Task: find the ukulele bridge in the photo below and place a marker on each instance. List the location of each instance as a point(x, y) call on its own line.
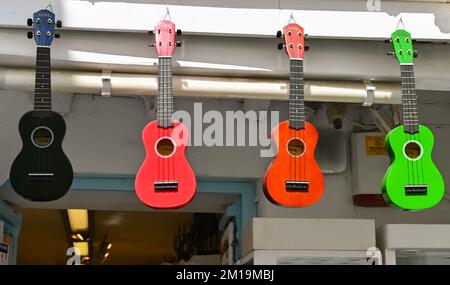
point(297, 186)
point(40, 176)
point(416, 190)
point(166, 186)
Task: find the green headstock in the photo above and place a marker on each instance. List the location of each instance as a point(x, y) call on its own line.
point(403, 47)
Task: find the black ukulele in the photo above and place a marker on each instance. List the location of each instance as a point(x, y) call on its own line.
point(41, 171)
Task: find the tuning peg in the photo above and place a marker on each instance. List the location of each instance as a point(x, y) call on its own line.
point(58, 24)
point(280, 46)
point(306, 48)
point(415, 53)
point(279, 34)
point(151, 45)
point(178, 44)
point(414, 41)
point(306, 37)
point(30, 35)
point(150, 32)
point(29, 22)
point(178, 32)
point(57, 36)
point(387, 41)
point(390, 53)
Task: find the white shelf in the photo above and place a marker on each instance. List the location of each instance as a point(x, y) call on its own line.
point(306, 257)
point(309, 234)
point(415, 244)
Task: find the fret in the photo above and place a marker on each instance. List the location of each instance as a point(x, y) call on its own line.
point(296, 95)
point(42, 87)
point(409, 99)
point(164, 99)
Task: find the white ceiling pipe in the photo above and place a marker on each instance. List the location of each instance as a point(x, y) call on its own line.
point(196, 86)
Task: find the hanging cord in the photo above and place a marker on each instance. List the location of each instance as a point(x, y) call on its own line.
point(49, 7)
point(167, 14)
point(400, 22)
point(291, 18)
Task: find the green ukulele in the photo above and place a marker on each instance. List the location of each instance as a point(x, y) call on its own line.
point(412, 181)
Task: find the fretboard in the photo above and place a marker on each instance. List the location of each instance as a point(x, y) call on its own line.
point(409, 99)
point(164, 98)
point(42, 88)
point(296, 95)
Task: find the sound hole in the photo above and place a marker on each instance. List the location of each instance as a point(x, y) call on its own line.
point(296, 147)
point(165, 147)
point(42, 137)
point(413, 150)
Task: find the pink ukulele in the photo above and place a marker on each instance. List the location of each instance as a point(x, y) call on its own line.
point(165, 179)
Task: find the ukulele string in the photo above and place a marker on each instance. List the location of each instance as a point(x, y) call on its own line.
point(411, 122)
point(171, 103)
point(409, 163)
point(49, 107)
point(160, 119)
point(302, 135)
point(300, 160)
point(291, 167)
point(164, 88)
point(417, 163)
point(416, 118)
point(421, 163)
point(165, 113)
point(413, 118)
point(304, 122)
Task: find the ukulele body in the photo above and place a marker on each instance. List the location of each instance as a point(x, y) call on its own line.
point(165, 179)
point(300, 168)
point(41, 171)
point(412, 181)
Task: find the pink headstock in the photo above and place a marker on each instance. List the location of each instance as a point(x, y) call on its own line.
point(294, 38)
point(165, 38)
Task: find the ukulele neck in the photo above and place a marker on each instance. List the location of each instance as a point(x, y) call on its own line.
point(164, 98)
point(42, 88)
point(409, 99)
point(296, 95)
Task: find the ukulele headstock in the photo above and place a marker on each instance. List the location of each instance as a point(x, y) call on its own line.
point(165, 34)
point(403, 46)
point(43, 24)
point(294, 40)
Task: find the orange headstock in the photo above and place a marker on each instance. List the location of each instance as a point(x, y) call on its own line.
point(294, 39)
point(165, 38)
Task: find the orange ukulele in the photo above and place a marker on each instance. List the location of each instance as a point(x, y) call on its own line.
point(294, 178)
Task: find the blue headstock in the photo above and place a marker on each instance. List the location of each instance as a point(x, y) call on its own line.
point(43, 23)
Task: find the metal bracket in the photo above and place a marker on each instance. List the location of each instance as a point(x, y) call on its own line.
point(106, 83)
point(370, 93)
point(395, 115)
